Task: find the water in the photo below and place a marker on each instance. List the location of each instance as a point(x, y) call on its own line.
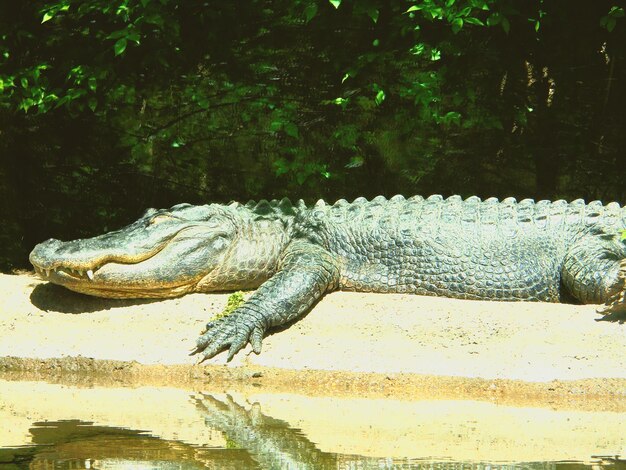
point(50, 426)
point(251, 444)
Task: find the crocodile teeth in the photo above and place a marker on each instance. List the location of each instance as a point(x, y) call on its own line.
point(90, 274)
point(47, 271)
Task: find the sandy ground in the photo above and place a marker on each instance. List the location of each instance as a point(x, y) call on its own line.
point(382, 342)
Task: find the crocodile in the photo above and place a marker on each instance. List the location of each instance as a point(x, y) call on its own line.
point(293, 254)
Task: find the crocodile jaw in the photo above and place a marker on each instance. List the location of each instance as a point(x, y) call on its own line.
point(169, 269)
point(86, 282)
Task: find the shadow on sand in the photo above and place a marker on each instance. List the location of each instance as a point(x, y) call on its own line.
point(53, 298)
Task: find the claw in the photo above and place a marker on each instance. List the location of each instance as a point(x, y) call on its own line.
point(256, 339)
point(212, 350)
point(231, 354)
point(235, 347)
point(200, 360)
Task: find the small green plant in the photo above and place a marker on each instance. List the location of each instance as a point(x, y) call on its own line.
point(235, 300)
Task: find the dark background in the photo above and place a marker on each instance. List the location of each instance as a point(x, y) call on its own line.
point(110, 107)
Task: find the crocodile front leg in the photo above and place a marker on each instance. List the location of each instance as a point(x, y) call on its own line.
point(305, 274)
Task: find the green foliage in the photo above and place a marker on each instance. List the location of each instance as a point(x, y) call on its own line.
point(235, 300)
point(610, 20)
point(335, 3)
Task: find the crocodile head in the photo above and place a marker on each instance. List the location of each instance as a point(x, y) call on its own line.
point(165, 253)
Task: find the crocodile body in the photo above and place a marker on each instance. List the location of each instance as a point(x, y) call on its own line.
point(294, 254)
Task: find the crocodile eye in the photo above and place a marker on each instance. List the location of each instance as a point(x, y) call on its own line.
point(160, 218)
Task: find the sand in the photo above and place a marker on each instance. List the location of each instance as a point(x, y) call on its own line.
point(376, 344)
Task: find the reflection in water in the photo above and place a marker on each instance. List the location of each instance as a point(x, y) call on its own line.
point(73, 444)
point(253, 440)
point(271, 442)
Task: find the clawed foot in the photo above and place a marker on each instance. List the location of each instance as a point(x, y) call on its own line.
point(232, 332)
point(615, 307)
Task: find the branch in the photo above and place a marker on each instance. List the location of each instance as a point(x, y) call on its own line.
point(182, 117)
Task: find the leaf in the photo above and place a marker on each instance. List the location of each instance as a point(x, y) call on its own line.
point(617, 12)
point(452, 117)
point(24, 82)
point(436, 12)
point(25, 104)
point(120, 33)
point(155, 19)
point(92, 83)
point(414, 8)
point(47, 16)
point(475, 21)
point(275, 126)
point(610, 24)
point(457, 24)
point(120, 46)
point(373, 13)
point(310, 11)
point(355, 162)
point(281, 166)
point(291, 129)
point(134, 37)
point(203, 102)
point(380, 97)
point(92, 104)
point(335, 3)
point(494, 19)
point(506, 26)
point(435, 55)
point(417, 49)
